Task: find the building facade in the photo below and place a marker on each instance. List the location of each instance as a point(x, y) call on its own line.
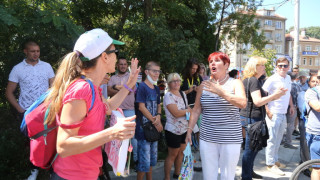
point(273, 27)
point(309, 51)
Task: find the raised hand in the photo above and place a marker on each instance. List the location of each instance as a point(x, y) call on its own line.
point(134, 72)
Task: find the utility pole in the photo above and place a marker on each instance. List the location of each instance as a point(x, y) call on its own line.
point(296, 34)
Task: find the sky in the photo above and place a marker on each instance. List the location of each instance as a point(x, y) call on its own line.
point(309, 11)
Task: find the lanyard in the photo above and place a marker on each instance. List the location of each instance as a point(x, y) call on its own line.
point(189, 82)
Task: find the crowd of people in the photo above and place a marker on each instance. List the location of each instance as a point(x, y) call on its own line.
point(218, 108)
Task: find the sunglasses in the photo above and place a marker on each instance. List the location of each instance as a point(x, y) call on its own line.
point(283, 66)
point(113, 51)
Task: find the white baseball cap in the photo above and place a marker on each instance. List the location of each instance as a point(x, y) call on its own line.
point(92, 43)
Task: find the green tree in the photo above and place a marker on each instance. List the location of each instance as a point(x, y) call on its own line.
point(237, 23)
point(313, 31)
point(270, 55)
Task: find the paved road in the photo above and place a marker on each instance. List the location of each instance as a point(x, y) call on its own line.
point(290, 157)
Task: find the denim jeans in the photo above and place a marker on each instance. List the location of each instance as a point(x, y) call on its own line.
point(248, 155)
point(128, 113)
point(276, 128)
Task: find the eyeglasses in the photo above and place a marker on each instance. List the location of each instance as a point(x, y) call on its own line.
point(113, 51)
point(155, 71)
point(283, 66)
point(176, 81)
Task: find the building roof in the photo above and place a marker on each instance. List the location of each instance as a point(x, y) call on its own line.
point(259, 14)
point(289, 37)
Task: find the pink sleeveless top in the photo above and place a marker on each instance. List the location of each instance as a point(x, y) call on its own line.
point(85, 165)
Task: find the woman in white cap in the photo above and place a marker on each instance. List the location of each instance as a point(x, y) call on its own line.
point(82, 132)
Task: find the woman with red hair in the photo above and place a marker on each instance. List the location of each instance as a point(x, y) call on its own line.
point(219, 100)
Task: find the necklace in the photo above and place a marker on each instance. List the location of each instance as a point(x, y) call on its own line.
point(222, 81)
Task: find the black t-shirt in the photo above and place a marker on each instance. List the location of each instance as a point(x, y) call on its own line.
point(185, 86)
point(256, 112)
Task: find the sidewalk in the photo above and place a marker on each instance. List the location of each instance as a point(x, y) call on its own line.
point(290, 157)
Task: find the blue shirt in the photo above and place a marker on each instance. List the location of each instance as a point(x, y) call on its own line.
point(151, 99)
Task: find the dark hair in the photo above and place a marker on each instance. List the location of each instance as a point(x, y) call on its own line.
point(28, 43)
point(313, 76)
point(292, 75)
point(188, 67)
point(233, 73)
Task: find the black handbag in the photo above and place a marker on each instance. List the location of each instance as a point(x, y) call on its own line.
point(258, 131)
point(150, 132)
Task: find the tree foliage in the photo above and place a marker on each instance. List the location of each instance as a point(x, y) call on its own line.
point(312, 31)
point(237, 23)
point(270, 55)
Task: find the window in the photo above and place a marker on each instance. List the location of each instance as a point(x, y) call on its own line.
point(308, 48)
point(299, 48)
point(317, 48)
point(304, 62)
point(278, 37)
point(278, 49)
point(268, 35)
point(268, 22)
point(268, 46)
point(278, 25)
point(310, 61)
point(316, 62)
point(268, 13)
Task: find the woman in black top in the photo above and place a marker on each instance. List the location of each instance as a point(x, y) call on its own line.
point(191, 80)
point(255, 110)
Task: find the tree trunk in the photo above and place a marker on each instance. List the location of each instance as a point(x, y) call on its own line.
point(147, 9)
point(219, 26)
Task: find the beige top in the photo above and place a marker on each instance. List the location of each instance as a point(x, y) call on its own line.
point(128, 102)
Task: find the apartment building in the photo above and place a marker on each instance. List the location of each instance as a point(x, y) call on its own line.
point(273, 27)
point(309, 51)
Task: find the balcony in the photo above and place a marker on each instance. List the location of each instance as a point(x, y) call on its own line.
point(269, 28)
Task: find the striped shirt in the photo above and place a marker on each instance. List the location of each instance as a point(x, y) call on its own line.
point(221, 120)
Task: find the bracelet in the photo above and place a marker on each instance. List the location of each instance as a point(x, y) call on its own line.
point(129, 89)
point(189, 128)
point(159, 114)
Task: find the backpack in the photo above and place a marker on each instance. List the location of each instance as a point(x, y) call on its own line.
point(43, 137)
point(305, 112)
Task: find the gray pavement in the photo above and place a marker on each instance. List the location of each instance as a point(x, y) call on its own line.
point(290, 157)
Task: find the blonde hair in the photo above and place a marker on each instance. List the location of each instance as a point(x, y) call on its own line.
point(172, 76)
point(68, 71)
point(250, 69)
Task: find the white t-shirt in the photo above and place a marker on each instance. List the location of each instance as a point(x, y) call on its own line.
point(175, 125)
point(279, 106)
point(33, 80)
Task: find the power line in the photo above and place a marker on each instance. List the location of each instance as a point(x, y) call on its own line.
point(274, 3)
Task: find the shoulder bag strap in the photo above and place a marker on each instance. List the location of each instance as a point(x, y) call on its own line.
point(247, 108)
point(183, 99)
